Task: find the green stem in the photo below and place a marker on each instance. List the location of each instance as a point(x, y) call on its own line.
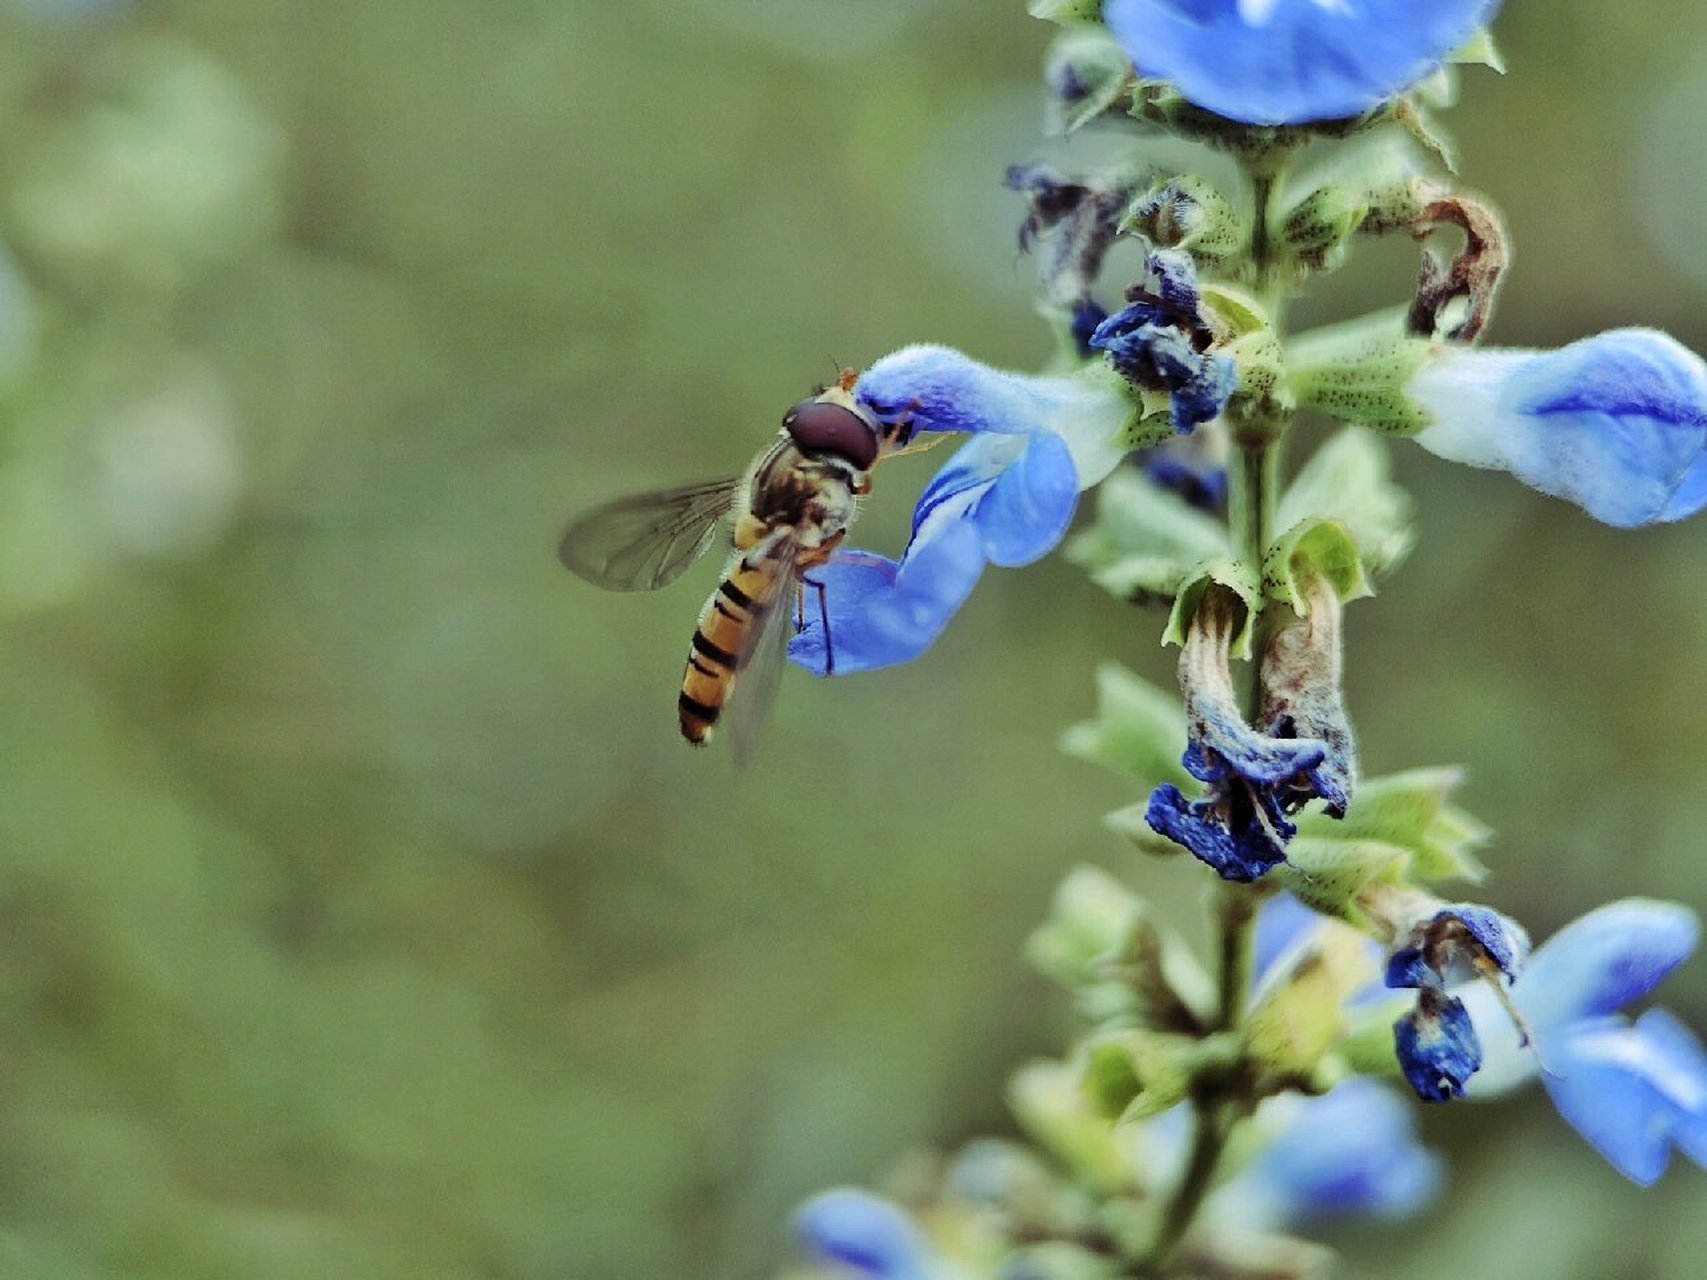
point(1254, 484)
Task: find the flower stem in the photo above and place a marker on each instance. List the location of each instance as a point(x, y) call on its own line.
point(1255, 486)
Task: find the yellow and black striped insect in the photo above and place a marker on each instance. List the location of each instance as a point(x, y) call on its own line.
point(792, 508)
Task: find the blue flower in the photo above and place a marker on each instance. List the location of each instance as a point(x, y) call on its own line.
point(1436, 1043)
point(1005, 498)
point(1350, 1153)
point(1616, 423)
point(862, 1234)
point(1292, 61)
point(1081, 219)
point(1161, 342)
point(1240, 828)
point(1465, 939)
point(1194, 467)
point(1632, 1089)
point(1256, 777)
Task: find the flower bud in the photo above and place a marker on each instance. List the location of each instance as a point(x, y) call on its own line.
point(1087, 72)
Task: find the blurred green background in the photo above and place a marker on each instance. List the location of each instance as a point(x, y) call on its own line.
point(361, 914)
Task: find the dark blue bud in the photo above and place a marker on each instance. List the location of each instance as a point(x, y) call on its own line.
point(1161, 341)
point(1204, 488)
point(1437, 1046)
point(1176, 281)
point(1205, 392)
point(1087, 318)
point(1477, 940)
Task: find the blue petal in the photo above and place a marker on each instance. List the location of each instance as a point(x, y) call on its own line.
point(1283, 923)
point(1292, 61)
point(1630, 1090)
point(1176, 278)
point(1615, 423)
point(1604, 960)
point(1154, 347)
point(1460, 940)
point(940, 389)
point(1194, 474)
point(1234, 846)
point(1502, 939)
point(862, 1232)
point(1020, 493)
point(883, 613)
point(1223, 745)
point(1202, 395)
point(1690, 495)
point(1437, 1047)
point(1352, 1151)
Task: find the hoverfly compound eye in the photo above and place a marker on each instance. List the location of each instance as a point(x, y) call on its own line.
point(822, 426)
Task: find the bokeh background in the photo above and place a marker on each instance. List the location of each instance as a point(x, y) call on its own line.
point(361, 914)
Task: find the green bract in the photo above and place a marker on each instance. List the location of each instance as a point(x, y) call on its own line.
point(1145, 541)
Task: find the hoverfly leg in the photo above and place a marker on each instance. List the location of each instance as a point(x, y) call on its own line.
point(823, 621)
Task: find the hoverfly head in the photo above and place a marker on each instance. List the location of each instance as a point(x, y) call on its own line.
point(829, 423)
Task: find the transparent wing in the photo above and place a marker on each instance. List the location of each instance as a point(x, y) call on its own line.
point(643, 542)
point(765, 654)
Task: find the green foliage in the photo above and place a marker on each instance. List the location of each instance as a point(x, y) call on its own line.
point(1357, 372)
point(1137, 730)
point(1238, 577)
point(1314, 548)
point(1105, 945)
point(364, 918)
point(1348, 479)
point(1145, 541)
point(1296, 1019)
point(1412, 811)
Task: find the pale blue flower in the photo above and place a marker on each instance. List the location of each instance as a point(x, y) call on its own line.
point(1616, 423)
point(1005, 498)
point(1292, 61)
point(1632, 1089)
point(1350, 1153)
point(863, 1235)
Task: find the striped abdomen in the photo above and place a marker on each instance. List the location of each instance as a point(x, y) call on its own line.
point(725, 624)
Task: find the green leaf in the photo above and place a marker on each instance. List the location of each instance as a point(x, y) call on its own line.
point(1186, 212)
point(1479, 52)
point(1349, 480)
point(1358, 372)
point(1090, 920)
point(1066, 12)
point(1412, 811)
point(1236, 575)
point(1328, 875)
point(1130, 823)
point(1145, 540)
point(1138, 730)
point(1315, 545)
point(1049, 1104)
point(1104, 944)
point(1238, 310)
point(1096, 63)
point(1368, 1047)
point(1131, 1075)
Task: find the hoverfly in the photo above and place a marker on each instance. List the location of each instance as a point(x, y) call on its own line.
point(792, 508)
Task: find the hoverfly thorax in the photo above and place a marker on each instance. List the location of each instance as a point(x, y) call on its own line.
point(812, 476)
